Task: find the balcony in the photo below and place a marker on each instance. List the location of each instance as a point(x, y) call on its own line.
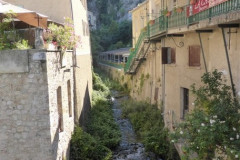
point(165, 24)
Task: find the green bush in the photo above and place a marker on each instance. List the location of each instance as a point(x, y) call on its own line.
point(85, 147)
point(213, 125)
point(102, 126)
point(148, 123)
point(103, 133)
point(9, 39)
point(110, 83)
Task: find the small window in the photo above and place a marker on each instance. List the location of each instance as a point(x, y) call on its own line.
point(184, 102)
point(69, 98)
point(168, 55)
point(194, 56)
point(60, 111)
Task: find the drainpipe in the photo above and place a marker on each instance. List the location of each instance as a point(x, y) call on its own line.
point(204, 60)
point(163, 80)
point(200, 39)
point(228, 62)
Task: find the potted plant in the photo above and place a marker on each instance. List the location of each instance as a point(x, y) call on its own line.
point(151, 22)
point(179, 9)
point(168, 14)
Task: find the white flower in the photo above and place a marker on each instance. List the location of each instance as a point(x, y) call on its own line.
point(225, 147)
point(231, 151)
point(222, 121)
point(234, 129)
point(197, 147)
point(236, 156)
point(172, 141)
point(198, 130)
point(202, 124)
point(237, 136)
point(193, 104)
point(231, 139)
point(212, 121)
point(215, 116)
point(181, 132)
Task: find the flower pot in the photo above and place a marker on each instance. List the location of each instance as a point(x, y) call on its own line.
point(179, 10)
point(151, 22)
point(168, 14)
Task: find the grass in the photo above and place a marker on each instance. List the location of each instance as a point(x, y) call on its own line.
point(148, 124)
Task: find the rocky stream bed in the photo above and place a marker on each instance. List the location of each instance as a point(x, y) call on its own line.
point(129, 148)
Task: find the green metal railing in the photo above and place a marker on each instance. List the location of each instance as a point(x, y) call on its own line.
point(133, 53)
point(178, 19)
point(159, 26)
point(223, 8)
point(163, 23)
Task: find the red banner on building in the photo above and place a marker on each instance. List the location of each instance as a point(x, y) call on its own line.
point(200, 6)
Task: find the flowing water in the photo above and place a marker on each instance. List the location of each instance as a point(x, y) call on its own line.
point(129, 148)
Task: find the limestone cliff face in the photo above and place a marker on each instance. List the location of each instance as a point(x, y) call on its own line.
point(119, 9)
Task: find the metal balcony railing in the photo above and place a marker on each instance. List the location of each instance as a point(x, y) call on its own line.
point(133, 52)
point(220, 9)
point(163, 23)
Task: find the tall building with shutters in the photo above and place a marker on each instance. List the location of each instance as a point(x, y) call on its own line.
point(175, 42)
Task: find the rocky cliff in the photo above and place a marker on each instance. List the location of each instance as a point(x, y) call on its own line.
point(118, 9)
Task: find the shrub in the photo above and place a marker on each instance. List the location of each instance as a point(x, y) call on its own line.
point(9, 39)
point(213, 125)
point(148, 123)
point(101, 125)
point(85, 147)
point(103, 133)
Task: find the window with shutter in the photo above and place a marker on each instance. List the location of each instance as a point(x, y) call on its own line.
point(184, 102)
point(164, 55)
point(168, 55)
point(194, 56)
point(173, 55)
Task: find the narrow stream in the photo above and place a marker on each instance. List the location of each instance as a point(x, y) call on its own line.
point(129, 148)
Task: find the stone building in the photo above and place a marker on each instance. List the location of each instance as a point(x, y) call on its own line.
point(45, 93)
point(76, 10)
point(175, 42)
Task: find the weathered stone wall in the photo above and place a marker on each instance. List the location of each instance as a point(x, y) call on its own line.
point(24, 114)
point(59, 72)
point(29, 111)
